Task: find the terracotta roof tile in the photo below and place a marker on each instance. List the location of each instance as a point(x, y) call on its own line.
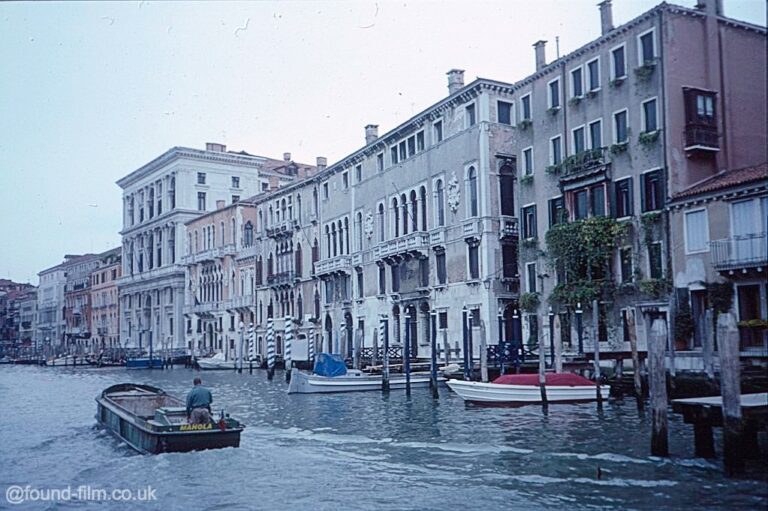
point(727, 179)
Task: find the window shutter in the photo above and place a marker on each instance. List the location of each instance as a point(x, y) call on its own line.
point(643, 191)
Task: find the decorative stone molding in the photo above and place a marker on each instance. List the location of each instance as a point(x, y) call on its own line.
point(369, 225)
point(454, 193)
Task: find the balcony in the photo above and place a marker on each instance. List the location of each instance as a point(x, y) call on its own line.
point(580, 165)
point(509, 227)
point(210, 254)
point(740, 252)
point(284, 278)
point(339, 264)
point(701, 138)
point(243, 302)
point(283, 229)
point(408, 244)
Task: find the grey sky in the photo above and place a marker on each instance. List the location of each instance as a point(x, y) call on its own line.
point(91, 91)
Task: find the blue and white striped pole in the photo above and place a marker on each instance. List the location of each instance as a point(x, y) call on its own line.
point(251, 347)
point(270, 349)
point(383, 329)
point(288, 346)
point(311, 348)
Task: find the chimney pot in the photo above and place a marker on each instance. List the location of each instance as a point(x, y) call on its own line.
point(371, 133)
point(286, 156)
point(711, 7)
point(539, 48)
point(455, 80)
point(606, 16)
point(322, 163)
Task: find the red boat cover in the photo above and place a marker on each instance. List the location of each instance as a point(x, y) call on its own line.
point(562, 379)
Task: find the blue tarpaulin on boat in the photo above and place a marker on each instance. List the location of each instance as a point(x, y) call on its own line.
point(328, 364)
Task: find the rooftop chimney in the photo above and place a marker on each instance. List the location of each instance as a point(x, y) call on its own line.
point(216, 148)
point(371, 134)
point(712, 7)
point(455, 80)
point(322, 162)
point(220, 204)
point(286, 156)
point(606, 16)
point(541, 58)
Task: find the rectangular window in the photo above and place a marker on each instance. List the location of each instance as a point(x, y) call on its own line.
point(654, 260)
point(380, 162)
point(325, 191)
point(420, 141)
point(235, 182)
point(438, 127)
point(201, 178)
point(525, 107)
point(470, 115)
point(474, 260)
point(395, 278)
point(653, 191)
point(577, 82)
point(529, 221)
point(705, 108)
point(440, 267)
point(360, 281)
point(528, 161)
point(596, 134)
point(557, 213)
point(504, 112)
point(578, 140)
point(403, 151)
point(424, 272)
point(393, 155)
point(597, 200)
point(382, 280)
point(625, 262)
point(555, 151)
point(618, 63)
point(509, 260)
point(443, 320)
point(580, 205)
point(411, 145)
point(554, 93)
point(201, 201)
point(593, 72)
point(345, 180)
point(530, 276)
point(620, 132)
point(623, 192)
point(646, 47)
point(235, 199)
point(650, 122)
point(358, 173)
point(696, 231)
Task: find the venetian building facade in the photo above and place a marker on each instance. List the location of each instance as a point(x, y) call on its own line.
point(159, 198)
point(105, 312)
point(77, 302)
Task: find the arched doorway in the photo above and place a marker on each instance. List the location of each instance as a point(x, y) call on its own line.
point(414, 331)
point(348, 329)
point(395, 328)
point(326, 342)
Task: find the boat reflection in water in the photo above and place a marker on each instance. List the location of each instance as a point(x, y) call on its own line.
point(152, 422)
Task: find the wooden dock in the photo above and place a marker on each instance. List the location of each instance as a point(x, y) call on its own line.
point(707, 412)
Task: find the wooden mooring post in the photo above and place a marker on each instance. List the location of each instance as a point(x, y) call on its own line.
point(483, 353)
point(543, 375)
point(638, 381)
point(730, 387)
point(596, 332)
point(657, 381)
point(433, 353)
point(557, 340)
point(708, 344)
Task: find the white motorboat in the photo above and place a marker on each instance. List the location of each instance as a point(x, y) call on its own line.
point(217, 361)
point(67, 361)
point(525, 389)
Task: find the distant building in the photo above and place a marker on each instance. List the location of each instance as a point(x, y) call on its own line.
point(158, 199)
point(50, 308)
point(105, 311)
point(13, 299)
point(28, 319)
point(77, 302)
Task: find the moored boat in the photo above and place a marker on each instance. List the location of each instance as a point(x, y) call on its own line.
point(144, 363)
point(525, 389)
point(217, 361)
point(331, 375)
point(68, 361)
point(152, 422)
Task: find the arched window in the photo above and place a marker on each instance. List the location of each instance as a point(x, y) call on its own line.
point(315, 205)
point(271, 217)
point(333, 240)
point(315, 254)
point(327, 241)
point(440, 202)
point(472, 183)
point(404, 213)
point(298, 260)
point(382, 229)
point(298, 208)
point(414, 212)
point(270, 266)
point(234, 232)
point(506, 184)
point(395, 217)
point(260, 221)
point(346, 235)
point(423, 200)
point(299, 308)
point(259, 271)
point(248, 234)
point(283, 210)
point(172, 193)
point(359, 230)
point(317, 304)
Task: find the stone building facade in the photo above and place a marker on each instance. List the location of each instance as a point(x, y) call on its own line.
point(159, 198)
point(78, 330)
point(105, 312)
point(50, 308)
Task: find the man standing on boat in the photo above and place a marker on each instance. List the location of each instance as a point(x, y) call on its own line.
point(199, 402)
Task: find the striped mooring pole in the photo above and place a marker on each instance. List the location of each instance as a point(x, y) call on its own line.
point(288, 357)
point(311, 348)
point(270, 349)
point(251, 347)
point(383, 328)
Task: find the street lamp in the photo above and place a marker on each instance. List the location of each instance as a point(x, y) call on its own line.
point(551, 337)
point(517, 342)
point(500, 352)
point(579, 330)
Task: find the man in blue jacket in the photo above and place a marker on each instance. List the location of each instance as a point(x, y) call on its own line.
point(199, 402)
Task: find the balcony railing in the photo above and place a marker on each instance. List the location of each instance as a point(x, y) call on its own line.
point(509, 227)
point(582, 162)
point(210, 254)
point(702, 137)
point(283, 228)
point(739, 252)
point(243, 302)
point(335, 264)
point(416, 241)
point(282, 278)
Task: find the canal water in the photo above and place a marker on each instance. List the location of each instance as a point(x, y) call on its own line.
point(355, 451)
